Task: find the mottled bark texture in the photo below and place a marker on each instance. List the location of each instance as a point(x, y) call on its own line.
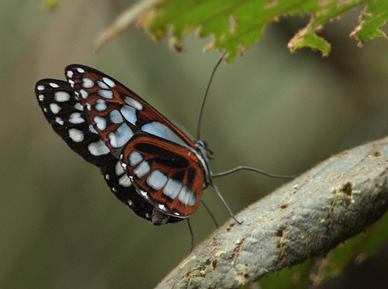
point(307, 217)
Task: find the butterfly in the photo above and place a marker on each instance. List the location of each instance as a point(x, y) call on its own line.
point(147, 162)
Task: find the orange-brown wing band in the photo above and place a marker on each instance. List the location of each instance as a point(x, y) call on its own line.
point(166, 174)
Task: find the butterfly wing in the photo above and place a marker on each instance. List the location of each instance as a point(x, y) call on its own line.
point(169, 176)
point(66, 115)
point(116, 112)
point(125, 122)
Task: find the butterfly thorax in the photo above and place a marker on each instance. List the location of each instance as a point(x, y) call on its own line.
point(205, 154)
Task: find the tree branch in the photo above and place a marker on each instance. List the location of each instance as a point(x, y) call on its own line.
point(307, 217)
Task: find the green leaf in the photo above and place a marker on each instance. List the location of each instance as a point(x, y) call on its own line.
point(372, 18)
point(235, 25)
point(290, 278)
point(356, 249)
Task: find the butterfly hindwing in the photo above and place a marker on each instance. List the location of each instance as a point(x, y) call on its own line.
point(168, 176)
point(123, 188)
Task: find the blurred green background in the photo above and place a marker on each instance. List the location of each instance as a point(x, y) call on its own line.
point(60, 227)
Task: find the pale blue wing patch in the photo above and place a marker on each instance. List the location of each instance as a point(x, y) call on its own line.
point(157, 180)
point(134, 158)
point(172, 188)
point(115, 116)
point(129, 114)
point(187, 196)
point(142, 169)
point(98, 148)
point(121, 136)
point(161, 130)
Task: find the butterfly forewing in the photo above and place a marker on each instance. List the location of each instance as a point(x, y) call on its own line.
point(116, 112)
point(168, 175)
point(120, 117)
point(65, 114)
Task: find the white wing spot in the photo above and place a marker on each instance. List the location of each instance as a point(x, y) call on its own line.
point(122, 135)
point(80, 70)
point(162, 207)
point(129, 114)
point(78, 106)
point(100, 105)
point(84, 93)
point(134, 158)
point(61, 96)
point(107, 177)
point(119, 169)
point(142, 169)
point(144, 194)
point(98, 149)
point(76, 135)
point(125, 181)
point(54, 85)
point(172, 188)
point(75, 118)
point(69, 74)
point(109, 81)
point(115, 116)
point(130, 203)
point(92, 129)
point(59, 121)
point(135, 104)
point(105, 93)
point(102, 85)
point(55, 108)
point(41, 97)
point(71, 82)
point(87, 82)
point(100, 122)
point(88, 106)
point(40, 87)
point(187, 196)
point(156, 180)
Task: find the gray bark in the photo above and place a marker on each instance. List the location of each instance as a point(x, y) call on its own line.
point(307, 217)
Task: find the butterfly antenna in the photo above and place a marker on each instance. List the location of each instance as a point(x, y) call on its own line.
point(241, 168)
point(206, 93)
point(225, 204)
point(210, 213)
point(192, 237)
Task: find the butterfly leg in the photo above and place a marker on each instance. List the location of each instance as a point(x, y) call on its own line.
point(226, 205)
point(210, 213)
point(192, 237)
